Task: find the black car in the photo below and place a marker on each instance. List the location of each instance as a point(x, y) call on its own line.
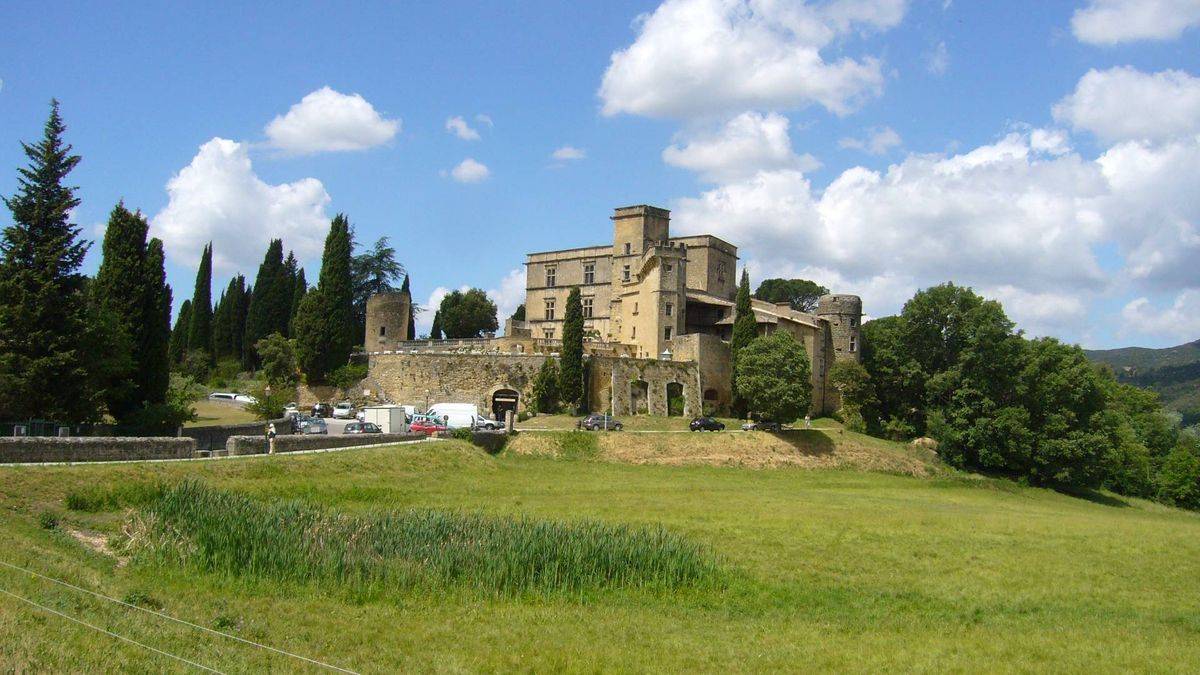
point(599, 422)
point(362, 428)
point(706, 424)
point(322, 410)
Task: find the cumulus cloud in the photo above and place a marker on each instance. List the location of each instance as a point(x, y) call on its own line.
point(744, 145)
point(470, 171)
point(329, 121)
point(508, 293)
point(877, 142)
point(459, 127)
point(1180, 321)
point(485, 120)
point(1110, 22)
point(700, 57)
point(568, 153)
point(938, 60)
point(219, 198)
point(1123, 103)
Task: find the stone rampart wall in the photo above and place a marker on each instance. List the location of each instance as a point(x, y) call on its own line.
point(619, 384)
point(257, 445)
point(423, 379)
point(212, 438)
point(93, 448)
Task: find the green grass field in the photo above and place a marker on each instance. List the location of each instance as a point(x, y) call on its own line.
point(821, 570)
point(211, 413)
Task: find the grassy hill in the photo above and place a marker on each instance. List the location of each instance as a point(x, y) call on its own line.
point(819, 569)
point(1173, 372)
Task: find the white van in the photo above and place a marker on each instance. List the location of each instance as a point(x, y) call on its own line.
point(458, 415)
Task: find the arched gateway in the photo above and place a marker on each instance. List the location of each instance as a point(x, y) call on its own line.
point(504, 400)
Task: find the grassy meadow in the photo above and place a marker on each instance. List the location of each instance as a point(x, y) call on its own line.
point(213, 413)
point(790, 568)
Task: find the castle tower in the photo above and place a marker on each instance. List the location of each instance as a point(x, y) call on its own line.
point(844, 314)
point(387, 320)
point(636, 228)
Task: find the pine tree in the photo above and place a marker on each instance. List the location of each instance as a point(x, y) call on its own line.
point(435, 331)
point(571, 366)
point(154, 361)
point(179, 334)
point(745, 329)
point(412, 312)
point(221, 328)
point(325, 319)
point(299, 289)
point(291, 270)
point(45, 370)
point(200, 330)
point(270, 303)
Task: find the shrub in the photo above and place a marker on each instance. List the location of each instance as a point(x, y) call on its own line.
point(229, 533)
point(270, 406)
point(1179, 478)
point(545, 388)
point(47, 520)
point(278, 357)
point(348, 375)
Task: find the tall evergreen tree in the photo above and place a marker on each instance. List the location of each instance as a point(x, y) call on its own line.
point(270, 303)
point(200, 329)
point(745, 329)
point(221, 328)
point(45, 368)
point(291, 271)
point(571, 367)
point(179, 334)
point(154, 361)
point(435, 331)
point(299, 289)
point(325, 320)
point(229, 320)
point(412, 310)
point(373, 271)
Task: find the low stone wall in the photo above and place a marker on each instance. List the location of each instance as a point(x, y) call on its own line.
point(257, 445)
point(93, 448)
point(213, 438)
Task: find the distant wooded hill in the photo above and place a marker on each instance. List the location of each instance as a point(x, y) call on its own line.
point(1173, 372)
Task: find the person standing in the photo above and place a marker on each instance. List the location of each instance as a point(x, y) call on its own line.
point(271, 438)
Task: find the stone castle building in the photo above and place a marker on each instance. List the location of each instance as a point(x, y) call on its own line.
point(658, 314)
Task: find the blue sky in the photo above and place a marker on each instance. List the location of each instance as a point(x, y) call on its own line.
point(1045, 153)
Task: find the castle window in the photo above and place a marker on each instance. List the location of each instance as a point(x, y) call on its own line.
point(633, 332)
point(668, 268)
point(548, 333)
point(667, 333)
point(587, 307)
point(669, 309)
point(853, 322)
point(589, 273)
point(625, 273)
point(635, 308)
point(721, 272)
point(551, 275)
point(628, 248)
point(549, 309)
point(853, 343)
point(382, 331)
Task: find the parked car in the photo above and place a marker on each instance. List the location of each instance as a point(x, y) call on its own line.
point(321, 410)
point(243, 398)
point(314, 425)
point(291, 410)
point(362, 428)
point(596, 422)
point(426, 424)
point(343, 411)
point(761, 426)
point(222, 396)
point(489, 425)
point(706, 424)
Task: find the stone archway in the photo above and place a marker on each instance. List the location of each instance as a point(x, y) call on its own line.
point(676, 400)
point(639, 397)
point(504, 400)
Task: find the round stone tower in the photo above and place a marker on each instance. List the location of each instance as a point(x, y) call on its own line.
point(844, 314)
point(387, 320)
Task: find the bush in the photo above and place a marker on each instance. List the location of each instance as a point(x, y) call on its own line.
point(774, 377)
point(225, 374)
point(278, 357)
point(196, 364)
point(47, 520)
point(1179, 479)
point(270, 406)
point(545, 388)
point(348, 375)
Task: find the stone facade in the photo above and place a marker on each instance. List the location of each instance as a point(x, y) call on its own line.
point(257, 445)
point(425, 378)
point(387, 320)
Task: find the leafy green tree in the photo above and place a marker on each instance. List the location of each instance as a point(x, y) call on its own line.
point(519, 314)
point(324, 324)
point(853, 384)
point(775, 377)
point(46, 368)
point(745, 329)
point(571, 367)
point(200, 330)
point(278, 360)
point(435, 331)
point(270, 305)
point(269, 404)
point(800, 294)
point(348, 375)
point(898, 381)
point(545, 388)
point(467, 315)
point(179, 334)
point(374, 271)
point(1179, 480)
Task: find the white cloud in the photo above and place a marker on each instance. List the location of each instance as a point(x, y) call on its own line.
point(508, 295)
point(877, 142)
point(1049, 141)
point(459, 127)
point(1040, 313)
point(568, 153)
point(1180, 321)
point(700, 57)
point(1126, 104)
point(219, 198)
point(329, 121)
point(744, 145)
point(485, 120)
point(938, 60)
point(1109, 22)
point(470, 171)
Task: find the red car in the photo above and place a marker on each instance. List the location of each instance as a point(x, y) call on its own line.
point(426, 425)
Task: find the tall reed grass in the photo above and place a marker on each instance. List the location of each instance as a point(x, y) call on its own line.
point(226, 532)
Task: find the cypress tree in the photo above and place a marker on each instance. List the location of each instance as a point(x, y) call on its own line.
point(291, 270)
point(200, 330)
point(299, 289)
point(325, 319)
point(435, 331)
point(45, 369)
point(571, 367)
point(154, 361)
point(179, 334)
point(412, 312)
point(745, 329)
point(221, 329)
point(270, 303)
